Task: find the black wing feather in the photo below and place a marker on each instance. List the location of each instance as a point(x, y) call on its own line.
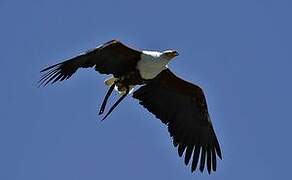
point(182, 106)
point(188, 154)
point(112, 57)
point(196, 157)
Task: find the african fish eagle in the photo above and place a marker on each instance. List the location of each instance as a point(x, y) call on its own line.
point(177, 103)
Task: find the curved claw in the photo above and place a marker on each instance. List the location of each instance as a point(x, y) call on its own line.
point(116, 103)
point(110, 90)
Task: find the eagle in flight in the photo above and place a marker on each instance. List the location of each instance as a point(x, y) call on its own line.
point(177, 103)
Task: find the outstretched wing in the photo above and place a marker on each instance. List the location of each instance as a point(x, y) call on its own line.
point(182, 106)
point(112, 57)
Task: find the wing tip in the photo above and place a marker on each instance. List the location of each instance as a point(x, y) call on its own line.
point(53, 74)
point(218, 150)
point(48, 68)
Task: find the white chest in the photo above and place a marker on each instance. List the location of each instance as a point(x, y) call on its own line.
point(151, 64)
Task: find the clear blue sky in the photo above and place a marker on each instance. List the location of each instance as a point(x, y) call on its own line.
point(238, 51)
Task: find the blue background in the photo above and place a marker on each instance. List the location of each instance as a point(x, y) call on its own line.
point(239, 52)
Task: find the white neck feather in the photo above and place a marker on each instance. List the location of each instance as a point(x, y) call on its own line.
point(151, 64)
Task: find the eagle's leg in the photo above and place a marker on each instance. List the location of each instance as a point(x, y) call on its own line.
point(116, 103)
point(110, 90)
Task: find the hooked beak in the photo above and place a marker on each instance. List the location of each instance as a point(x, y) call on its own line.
point(175, 53)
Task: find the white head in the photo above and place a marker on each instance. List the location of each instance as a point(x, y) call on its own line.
point(153, 62)
point(169, 54)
